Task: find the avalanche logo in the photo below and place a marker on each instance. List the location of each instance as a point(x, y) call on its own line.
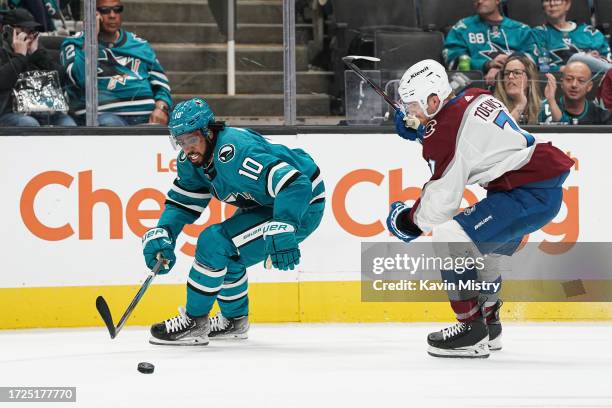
point(430, 128)
point(226, 153)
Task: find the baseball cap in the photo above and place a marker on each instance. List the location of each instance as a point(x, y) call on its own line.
point(20, 18)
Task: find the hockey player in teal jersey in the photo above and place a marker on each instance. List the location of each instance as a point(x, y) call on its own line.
point(487, 38)
point(132, 85)
point(280, 197)
point(560, 39)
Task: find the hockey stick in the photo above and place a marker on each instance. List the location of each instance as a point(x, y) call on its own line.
point(104, 310)
point(348, 60)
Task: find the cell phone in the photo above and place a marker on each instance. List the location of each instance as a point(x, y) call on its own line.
point(7, 33)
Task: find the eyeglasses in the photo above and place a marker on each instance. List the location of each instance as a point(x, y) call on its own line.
point(515, 72)
point(107, 9)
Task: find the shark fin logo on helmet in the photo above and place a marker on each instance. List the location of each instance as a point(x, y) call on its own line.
point(226, 153)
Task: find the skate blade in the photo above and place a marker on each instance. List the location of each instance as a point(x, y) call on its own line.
point(236, 336)
point(495, 344)
point(190, 342)
point(479, 350)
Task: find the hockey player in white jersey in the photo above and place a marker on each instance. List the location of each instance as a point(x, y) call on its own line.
point(471, 138)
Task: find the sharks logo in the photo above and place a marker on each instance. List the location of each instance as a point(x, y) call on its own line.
point(226, 153)
point(117, 69)
point(241, 199)
point(562, 55)
point(493, 52)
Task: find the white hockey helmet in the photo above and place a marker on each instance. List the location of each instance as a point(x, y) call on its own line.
point(422, 80)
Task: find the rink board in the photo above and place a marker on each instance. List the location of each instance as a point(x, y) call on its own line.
point(76, 206)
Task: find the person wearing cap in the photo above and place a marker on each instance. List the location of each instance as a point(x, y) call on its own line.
point(20, 52)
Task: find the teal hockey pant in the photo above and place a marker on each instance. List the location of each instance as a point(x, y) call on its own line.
point(224, 252)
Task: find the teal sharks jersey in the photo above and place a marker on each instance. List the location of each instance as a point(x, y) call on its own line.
point(130, 78)
point(247, 171)
point(483, 41)
point(562, 44)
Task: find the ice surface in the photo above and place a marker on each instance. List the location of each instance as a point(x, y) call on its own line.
point(316, 365)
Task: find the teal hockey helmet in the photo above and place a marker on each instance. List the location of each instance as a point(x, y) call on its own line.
point(189, 116)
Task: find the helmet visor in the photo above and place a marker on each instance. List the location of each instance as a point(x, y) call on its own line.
point(414, 109)
point(185, 140)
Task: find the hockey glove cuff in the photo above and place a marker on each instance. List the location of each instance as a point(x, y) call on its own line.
point(158, 241)
point(281, 245)
point(399, 223)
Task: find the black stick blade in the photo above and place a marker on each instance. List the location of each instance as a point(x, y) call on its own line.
point(105, 313)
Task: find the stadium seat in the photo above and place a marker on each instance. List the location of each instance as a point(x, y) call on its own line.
point(353, 25)
point(603, 14)
point(526, 11)
point(362, 17)
point(442, 14)
point(580, 11)
point(398, 51)
point(52, 44)
point(531, 13)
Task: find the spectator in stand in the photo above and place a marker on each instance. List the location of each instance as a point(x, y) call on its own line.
point(20, 52)
point(558, 40)
point(42, 10)
point(132, 86)
point(573, 107)
point(488, 38)
point(517, 87)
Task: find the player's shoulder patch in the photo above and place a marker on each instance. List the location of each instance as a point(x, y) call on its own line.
point(541, 28)
point(226, 153)
point(461, 24)
point(182, 156)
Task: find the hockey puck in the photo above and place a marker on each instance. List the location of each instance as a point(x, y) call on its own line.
point(146, 368)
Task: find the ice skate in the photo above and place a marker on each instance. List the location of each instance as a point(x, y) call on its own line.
point(182, 330)
point(462, 340)
point(222, 327)
point(495, 328)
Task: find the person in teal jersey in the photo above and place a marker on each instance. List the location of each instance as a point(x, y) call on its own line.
point(132, 85)
point(488, 38)
point(573, 107)
point(280, 197)
point(562, 39)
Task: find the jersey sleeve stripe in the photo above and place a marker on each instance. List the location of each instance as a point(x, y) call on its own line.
point(159, 75)
point(160, 84)
point(202, 190)
point(318, 198)
point(190, 194)
point(194, 209)
point(69, 71)
point(286, 181)
point(270, 179)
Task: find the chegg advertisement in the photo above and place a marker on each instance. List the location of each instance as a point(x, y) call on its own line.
point(77, 206)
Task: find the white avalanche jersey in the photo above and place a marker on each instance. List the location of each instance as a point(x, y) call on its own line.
point(474, 140)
